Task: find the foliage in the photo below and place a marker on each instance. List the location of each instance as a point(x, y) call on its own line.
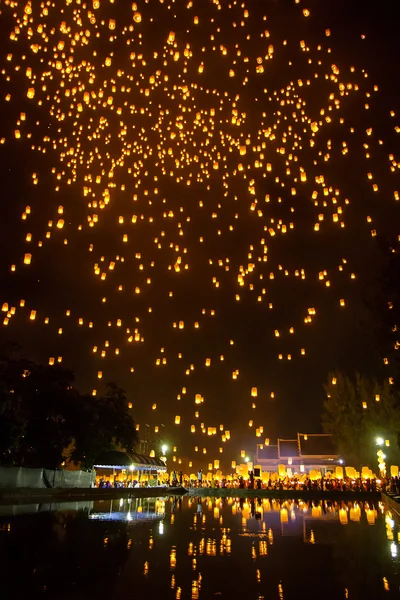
point(382, 299)
point(105, 424)
point(357, 411)
point(42, 414)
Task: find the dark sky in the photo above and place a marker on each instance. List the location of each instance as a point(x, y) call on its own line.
point(126, 137)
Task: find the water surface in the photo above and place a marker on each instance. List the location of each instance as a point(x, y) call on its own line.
point(191, 548)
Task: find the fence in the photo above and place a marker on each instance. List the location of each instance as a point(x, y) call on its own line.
point(21, 477)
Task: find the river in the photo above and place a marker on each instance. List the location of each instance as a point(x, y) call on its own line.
point(199, 548)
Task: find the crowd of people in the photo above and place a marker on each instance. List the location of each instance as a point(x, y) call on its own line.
point(107, 483)
point(320, 485)
point(390, 485)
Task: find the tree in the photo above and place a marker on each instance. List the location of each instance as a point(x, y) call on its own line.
point(104, 424)
point(12, 423)
point(42, 414)
point(34, 401)
point(382, 299)
point(356, 412)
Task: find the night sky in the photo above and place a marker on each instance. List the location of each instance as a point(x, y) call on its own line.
point(196, 189)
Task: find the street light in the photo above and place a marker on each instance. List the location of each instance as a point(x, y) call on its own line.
point(164, 449)
point(246, 459)
point(379, 441)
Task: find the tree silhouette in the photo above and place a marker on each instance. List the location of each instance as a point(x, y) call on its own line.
point(104, 424)
point(42, 414)
point(356, 412)
point(382, 299)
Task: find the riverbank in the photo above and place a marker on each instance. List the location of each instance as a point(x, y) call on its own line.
point(393, 503)
point(45, 495)
point(284, 494)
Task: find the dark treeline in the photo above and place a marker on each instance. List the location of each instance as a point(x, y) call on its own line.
point(46, 422)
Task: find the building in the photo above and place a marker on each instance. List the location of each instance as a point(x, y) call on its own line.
point(309, 451)
point(123, 467)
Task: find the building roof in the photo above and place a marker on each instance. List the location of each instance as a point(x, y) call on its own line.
point(315, 444)
point(123, 460)
point(288, 448)
point(311, 449)
point(267, 453)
